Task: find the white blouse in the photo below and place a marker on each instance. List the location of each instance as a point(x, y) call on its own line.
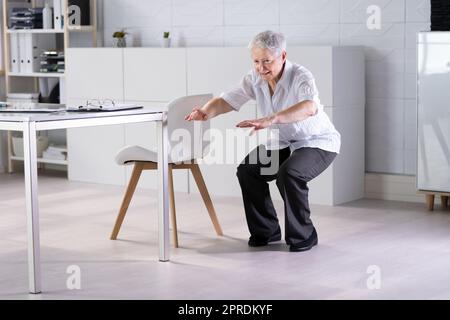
point(295, 85)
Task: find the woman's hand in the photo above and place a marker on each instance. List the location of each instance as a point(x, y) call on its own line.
point(196, 115)
point(257, 124)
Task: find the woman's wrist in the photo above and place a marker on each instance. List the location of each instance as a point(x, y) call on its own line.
point(202, 113)
point(273, 119)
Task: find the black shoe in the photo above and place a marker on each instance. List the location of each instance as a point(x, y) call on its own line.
point(312, 241)
point(255, 242)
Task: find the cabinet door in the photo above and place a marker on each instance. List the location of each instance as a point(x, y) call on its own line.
point(91, 152)
point(154, 74)
point(349, 166)
point(433, 165)
point(215, 70)
point(94, 73)
point(145, 135)
point(348, 77)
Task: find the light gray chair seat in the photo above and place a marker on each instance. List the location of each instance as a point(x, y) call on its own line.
point(130, 154)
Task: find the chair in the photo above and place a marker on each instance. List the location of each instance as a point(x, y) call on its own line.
point(182, 155)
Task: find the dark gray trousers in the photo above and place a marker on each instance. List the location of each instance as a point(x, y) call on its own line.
point(292, 173)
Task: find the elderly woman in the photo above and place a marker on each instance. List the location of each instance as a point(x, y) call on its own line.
point(303, 142)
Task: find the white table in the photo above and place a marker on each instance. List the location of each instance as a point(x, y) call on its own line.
point(30, 123)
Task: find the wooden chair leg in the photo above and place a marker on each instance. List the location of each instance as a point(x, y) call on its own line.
point(173, 214)
point(206, 198)
point(127, 199)
point(430, 202)
point(444, 202)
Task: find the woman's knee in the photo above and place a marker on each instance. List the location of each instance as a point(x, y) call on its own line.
point(288, 175)
point(242, 170)
point(248, 170)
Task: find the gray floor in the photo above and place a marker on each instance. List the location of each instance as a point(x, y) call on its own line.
point(410, 246)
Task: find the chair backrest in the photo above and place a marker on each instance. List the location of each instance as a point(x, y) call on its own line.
point(186, 138)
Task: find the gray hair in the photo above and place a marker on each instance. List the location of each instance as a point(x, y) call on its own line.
point(273, 41)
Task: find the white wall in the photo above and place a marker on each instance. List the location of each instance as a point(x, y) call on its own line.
point(390, 53)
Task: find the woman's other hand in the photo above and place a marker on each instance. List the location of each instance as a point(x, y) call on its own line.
point(196, 115)
point(256, 124)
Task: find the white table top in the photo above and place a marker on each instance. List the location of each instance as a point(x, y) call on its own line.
point(64, 115)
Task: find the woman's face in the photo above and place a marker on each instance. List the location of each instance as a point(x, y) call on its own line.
point(267, 65)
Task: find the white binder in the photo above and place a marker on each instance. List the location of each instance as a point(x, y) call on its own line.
point(15, 53)
point(31, 53)
point(31, 47)
point(58, 14)
point(23, 53)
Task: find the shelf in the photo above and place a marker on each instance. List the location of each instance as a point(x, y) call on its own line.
point(35, 31)
point(42, 160)
point(51, 31)
point(22, 81)
point(81, 28)
point(37, 74)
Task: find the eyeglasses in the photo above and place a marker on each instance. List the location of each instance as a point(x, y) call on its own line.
point(97, 103)
point(265, 62)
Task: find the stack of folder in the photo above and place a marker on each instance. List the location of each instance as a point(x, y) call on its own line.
point(25, 18)
point(52, 61)
point(54, 152)
point(440, 15)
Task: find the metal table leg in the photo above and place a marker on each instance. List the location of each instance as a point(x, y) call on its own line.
point(31, 197)
point(163, 199)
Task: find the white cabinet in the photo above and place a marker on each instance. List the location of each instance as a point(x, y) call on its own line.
point(97, 73)
point(93, 161)
point(343, 181)
point(137, 75)
point(339, 74)
point(433, 106)
point(154, 76)
point(216, 70)
point(319, 61)
point(92, 150)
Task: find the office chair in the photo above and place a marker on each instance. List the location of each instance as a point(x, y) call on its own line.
point(182, 155)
